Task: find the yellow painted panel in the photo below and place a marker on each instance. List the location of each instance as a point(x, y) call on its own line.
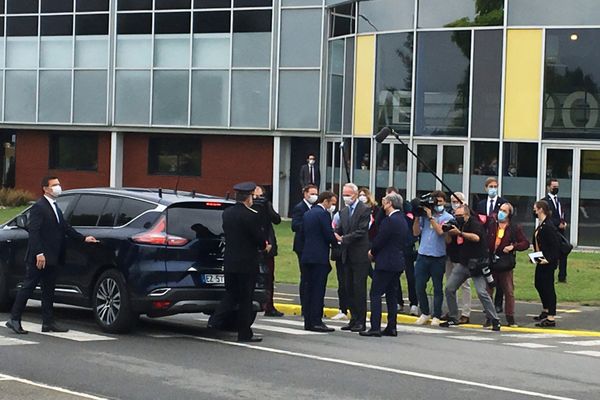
point(364, 85)
point(523, 84)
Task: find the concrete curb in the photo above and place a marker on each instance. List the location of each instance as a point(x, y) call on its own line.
point(295, 310)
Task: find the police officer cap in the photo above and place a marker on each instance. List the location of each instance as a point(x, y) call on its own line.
point(245, 187)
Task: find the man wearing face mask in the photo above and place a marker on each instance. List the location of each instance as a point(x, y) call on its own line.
point(310, 193)
point(45, 255)
point(352, 233)
point(558, 219)
point(309, 172)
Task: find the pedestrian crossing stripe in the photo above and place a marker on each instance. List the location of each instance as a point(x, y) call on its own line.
point(77, 336)
point(537, 335)
point(473, 338)
point(530, 345)
point(585, 353)
point(584, 343)
point(5, 341)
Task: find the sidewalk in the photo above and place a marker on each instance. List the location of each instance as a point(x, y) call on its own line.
point(571, 319)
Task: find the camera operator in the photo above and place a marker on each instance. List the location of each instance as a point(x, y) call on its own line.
point(471, 239)
point(431, 256)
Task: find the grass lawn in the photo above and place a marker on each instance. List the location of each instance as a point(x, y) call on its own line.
point(8, 213)
point(583, 285)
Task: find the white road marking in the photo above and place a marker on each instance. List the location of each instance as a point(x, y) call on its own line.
point(585, 353)
point(530, 345)
point(537, 335)
point(285, 330)
point(584, 343)
point(473, 338)
point(282, 298)
point(76, 336)
point(387, 369)
point(49, 387)
point(5, 341)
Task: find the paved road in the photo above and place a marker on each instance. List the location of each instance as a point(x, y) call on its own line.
point(178, 358)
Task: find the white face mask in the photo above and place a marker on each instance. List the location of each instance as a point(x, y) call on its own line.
point(312, 199)
point(56, 190)
point(455, 205)
point(348, 200)
point(311, 162)
point(460, 170)
point(362, 198)
point(332, 208)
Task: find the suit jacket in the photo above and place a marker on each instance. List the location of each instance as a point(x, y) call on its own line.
point(390, 242)
point(297, 222)
point(47, 235)
point(545, 239)
point(318, 236)
point(268, 216)
point(305, 177)
point(243, 239)
point(482, 206)
point(355, 230)
point(554, 217)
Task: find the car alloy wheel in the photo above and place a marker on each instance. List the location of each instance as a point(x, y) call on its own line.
point(108, 301)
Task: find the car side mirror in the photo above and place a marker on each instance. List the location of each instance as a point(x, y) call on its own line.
point(22, 221)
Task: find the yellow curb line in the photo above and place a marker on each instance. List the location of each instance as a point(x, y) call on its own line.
point(294, 309)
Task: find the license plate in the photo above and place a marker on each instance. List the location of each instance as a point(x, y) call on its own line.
point(214, 279)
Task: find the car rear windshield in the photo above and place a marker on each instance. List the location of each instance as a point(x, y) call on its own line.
point(196, 220)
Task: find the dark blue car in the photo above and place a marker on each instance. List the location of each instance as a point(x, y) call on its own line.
point(160, 253)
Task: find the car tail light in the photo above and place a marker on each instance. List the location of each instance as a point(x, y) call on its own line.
point(161, 304)
point(157, 235)
point(213, 204)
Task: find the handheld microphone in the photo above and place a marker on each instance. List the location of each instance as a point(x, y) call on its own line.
point(382, 134)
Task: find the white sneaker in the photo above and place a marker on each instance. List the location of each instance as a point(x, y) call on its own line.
point(435, 321)
point(340, 316)
point(414, 310)
point(423, 319)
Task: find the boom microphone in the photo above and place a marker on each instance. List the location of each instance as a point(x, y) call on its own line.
point(382, 134)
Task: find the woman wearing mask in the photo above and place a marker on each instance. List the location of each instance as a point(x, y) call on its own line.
point(545, 239)
point(504, 239)
point(365, 196)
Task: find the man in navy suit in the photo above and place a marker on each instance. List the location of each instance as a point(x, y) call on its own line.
point(310, 194)
point(309, 172)
point(557, 217)
point(45, 254)
point(388, 252)
point(318, 237)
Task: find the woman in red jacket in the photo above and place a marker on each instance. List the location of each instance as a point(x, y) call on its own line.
point(505, 239)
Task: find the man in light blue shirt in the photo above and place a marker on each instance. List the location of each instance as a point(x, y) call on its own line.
point(431, 258)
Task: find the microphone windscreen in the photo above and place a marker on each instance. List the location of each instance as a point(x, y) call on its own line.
point(382, 134)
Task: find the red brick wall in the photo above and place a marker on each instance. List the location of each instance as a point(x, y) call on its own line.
point(225, 162)
point(32, 161)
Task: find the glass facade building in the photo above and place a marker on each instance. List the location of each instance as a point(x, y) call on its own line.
point(205, 93)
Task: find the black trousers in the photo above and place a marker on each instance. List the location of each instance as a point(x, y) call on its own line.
point(544, 284)
point(239, 290)
point(384, 282)
point(342, 295)
point(34, 276)
point(270, 263)
point(302, 284)
point(314, 296)
point(410, 282)
point(356, 289)
point(562, 264)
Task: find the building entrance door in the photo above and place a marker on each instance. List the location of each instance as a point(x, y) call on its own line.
point(447, 160)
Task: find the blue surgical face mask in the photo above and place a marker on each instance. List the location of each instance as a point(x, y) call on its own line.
point(492, 192)
point(439, 208)
point(502, 216)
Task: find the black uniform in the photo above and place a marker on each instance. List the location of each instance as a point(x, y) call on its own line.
point(244, 239)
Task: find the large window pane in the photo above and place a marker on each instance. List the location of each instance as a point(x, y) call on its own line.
point(57, 25)
point(77, 151)
point(170, 100)
point(210, 98)
point(589, 204)
point(172, 51)
point(342, 21)
point(91, 51)
point(362, 162)
point(484, 163)
point(57, 6)
point(252, 49)
point(301, 38)
point(86, 108)
point(212, 3)
point(20, 96)
point(135, 5)
point(174, 155)
point(348, 87)
point(487, 84)
point(2, 43)
point(400, 167)
point(179, 22)
point(134, 24)
point(92, 5)
point(91, 24)
point(22, 6)
point(335, 93)
point(382, 176)
point(55, 96)
point(553, 12)
point(393, 84)
point(252, 21)
point(439, 13)
point(56, 51)
point(132, 97)
point(443, 83)
point(250, 99)
point(571, 94)
point(299, 99)
point(212, 22)
point(385, 15)
point(134, 51)
point(21, 26)
point(21, 52)
point(559, 165)
point(211, 50)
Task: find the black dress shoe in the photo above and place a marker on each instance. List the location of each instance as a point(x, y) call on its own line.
point(16, 327)
point(273, 313)
point(370, 333)
point(253, 339)
point(54, 328)
point(541, 317)
point(389, 332)
point(321, 328)
point(358, 328)
point(347, 327)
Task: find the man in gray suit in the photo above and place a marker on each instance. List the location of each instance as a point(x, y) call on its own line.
point(352, 233)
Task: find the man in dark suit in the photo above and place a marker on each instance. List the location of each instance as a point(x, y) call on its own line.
point(318, 237)
point(243, 241)
point(310, 193)
point(352, 233)
point(45, 254)
point(558, 219)
point(488, 209)
point(309, 172)
point(388, 252)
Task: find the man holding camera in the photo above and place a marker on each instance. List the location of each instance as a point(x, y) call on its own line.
point(473, 256)
point(431, 258)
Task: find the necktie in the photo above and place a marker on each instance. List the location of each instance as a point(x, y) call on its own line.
point(312, 175)
point(491, 208)
point(59, 213)
point(351, 211)
point(557, 205)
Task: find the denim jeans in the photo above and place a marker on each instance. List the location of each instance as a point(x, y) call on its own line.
point(425, 268)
